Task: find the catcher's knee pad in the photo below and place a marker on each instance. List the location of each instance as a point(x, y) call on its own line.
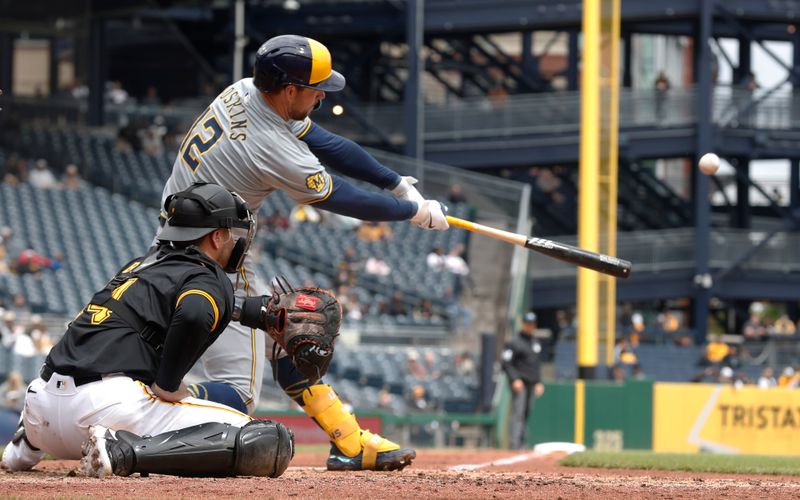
point(260, 448)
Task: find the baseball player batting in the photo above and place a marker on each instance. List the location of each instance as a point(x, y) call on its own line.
point(254, 138)
point(111, 391)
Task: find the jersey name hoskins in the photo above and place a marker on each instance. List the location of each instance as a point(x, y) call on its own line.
point(236, 113)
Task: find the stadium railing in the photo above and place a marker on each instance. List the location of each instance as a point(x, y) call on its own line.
point(475, 117)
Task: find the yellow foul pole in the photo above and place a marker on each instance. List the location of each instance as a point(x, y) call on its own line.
point(598, 175)
point(609, 128)
point(588, 283)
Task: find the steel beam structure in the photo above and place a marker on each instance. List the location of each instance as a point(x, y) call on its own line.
point(705, 143)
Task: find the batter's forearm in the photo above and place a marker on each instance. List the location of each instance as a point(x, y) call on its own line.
point(346, 199)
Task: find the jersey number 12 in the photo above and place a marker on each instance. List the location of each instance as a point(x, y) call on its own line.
point(191, 158)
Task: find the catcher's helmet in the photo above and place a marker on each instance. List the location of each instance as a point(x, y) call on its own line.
point(202, 208)
point(295, 60)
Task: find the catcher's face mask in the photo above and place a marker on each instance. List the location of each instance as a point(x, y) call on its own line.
point(243, 231)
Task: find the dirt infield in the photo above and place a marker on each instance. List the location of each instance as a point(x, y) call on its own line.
point(451, 474)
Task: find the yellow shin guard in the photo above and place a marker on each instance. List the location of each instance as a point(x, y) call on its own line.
point(322, 404)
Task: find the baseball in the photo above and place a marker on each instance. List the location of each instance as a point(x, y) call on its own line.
point(709, 163)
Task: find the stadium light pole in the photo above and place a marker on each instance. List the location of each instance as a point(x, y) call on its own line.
point(239, 41)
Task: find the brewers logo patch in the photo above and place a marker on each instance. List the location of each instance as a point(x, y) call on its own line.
point(315, 182)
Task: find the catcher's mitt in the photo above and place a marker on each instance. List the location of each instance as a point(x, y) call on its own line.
point(304, 322)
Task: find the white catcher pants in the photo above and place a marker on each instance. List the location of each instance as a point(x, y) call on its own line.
point(57, 414)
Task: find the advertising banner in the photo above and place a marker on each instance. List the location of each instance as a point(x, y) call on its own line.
point(721, 418)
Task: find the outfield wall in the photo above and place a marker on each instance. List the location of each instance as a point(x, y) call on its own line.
point(669, 417)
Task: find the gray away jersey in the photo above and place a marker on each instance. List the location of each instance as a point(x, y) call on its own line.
point(244, 146)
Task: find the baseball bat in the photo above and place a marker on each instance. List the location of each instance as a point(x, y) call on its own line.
point(574, 255)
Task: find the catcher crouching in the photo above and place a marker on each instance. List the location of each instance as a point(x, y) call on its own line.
point(305, 323)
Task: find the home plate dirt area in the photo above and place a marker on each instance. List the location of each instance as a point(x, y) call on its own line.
point(457, 474)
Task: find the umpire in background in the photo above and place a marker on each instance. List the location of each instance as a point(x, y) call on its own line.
point(522, 364)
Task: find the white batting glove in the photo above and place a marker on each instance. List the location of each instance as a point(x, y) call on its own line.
point(431, 215)
point(406, 190)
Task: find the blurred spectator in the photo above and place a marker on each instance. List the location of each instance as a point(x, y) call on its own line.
point(638, 373)
point(115, 94)
point(455, 263)
point(456, 194)
point(151, 97)
point(351, 309)
point(464, 365)
point(74, 89)
point(384, 399)
point(624, 355)
point(767, 379)
point(716, 350)
point(30, 261)
point(749, 82)
point(355, 311)
point(564, 327)
point(304, 214)
point(24, 345)
point(783, 326)
point(374, 231)
point(277, 221)
point(152, 137)
point(547, 181)
point(10, 329)
point(12, 244)
point(397, 306)
point(38, 333)
point(417, 396)
point(754, 328)
point(41, 176)
point(128, 138)
point(459, 315)
point(637, 328)
point(20, 303)
point(429, 362)
point(424, 310)
point(435, 259)
point(16, 169)
point(72, 179)
point(618, 374)
point(13, 391)
point(414, 367)
point(726, 375)
point(377, 266)
point(732, 359)
point(350, 258)
point(626, 320)
point(668, 325)
point(662, 86)
point(344, 276)
point(789, 378)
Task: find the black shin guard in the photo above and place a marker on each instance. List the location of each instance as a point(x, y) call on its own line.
point(260, 448)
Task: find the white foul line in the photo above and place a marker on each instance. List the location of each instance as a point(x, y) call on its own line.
point(502, 461)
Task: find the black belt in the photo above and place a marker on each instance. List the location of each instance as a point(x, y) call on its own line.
point(47, 372)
